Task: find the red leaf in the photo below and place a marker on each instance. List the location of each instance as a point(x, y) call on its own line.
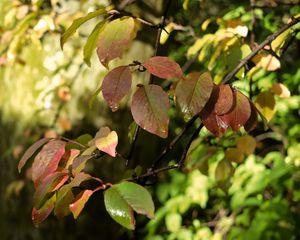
point(163, 67)
point(47, 160)
point(214, 123)
point(149, 109)
point(116, 85)
point(252, 121)
point(115, 38)
point(107, 141)
point(194, 92)
point(77, 206)
point(241, 112)
point(224, 101)
point(39, 215)
point(30, 151)
point(50, 184)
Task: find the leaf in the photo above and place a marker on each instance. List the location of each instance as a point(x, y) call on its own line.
point(163, 67)
point(79, 163)
point(77, 23)
point(47, 160)
point(121, 199)
point(91, 43)
point(267, 62)
point(115, 38)
point(234, 155)
point(30, 151)
point(225, 101)
point(246, 144)
point(77, 206)
point(116, 84)
point(240, 113)
point(265, 103)
point(214, 123)
point(281, 90)
point(223, 173)
point(50, 184)
point(252, 121)
point(166, 33)
point(278, 42)
point(39, 215)
point(194, 92)
point(149, 108)
point(107, 141)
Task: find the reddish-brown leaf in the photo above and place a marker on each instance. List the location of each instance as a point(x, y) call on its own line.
point(39, 215)
point(51, 183)
point(30, 151)
point(214, 123)
point(114, 38)
point(252, 121)
point(47, 160)
point(77, 206)
point(193, 92)
point(163, 67)
point(224, 101)
point(149, 109)
point(116, 85)
point(240, 113)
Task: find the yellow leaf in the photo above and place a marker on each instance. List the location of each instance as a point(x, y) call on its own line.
point(107, 141)
point(246, 144)
point(278, 42)
point(205, 24)
point(281, 90)
point(267, 62)
point(265, 103)
point(234, 155)
point(165, 35)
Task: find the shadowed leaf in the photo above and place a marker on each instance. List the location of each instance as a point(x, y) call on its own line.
point(193, 92)
point(39, 215)
point(30, 151)
point(163, 67)
point(224, 101)
point(116, 85)
point(265, 103)
point(115, 38)
point(47, 160)
point(149, 109)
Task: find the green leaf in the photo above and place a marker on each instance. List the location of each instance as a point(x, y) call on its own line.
point(115, 38)
point(265, 103)
point(39, 215)
point(121, 199)
point(79, 163)
point(149, 108)
point(194, 92)
point(223, 174)
point(91, 43)
point(77, 23)
point(93, 98)
point(47, 160)
point(30, 151)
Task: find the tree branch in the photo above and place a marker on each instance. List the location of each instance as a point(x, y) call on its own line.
point(268, 40)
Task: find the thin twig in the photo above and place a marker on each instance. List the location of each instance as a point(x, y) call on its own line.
point(268, 40)
point(172, 143)
point(186, 149)
point(136, 133)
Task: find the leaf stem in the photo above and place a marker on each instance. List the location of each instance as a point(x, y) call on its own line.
point(268, 40)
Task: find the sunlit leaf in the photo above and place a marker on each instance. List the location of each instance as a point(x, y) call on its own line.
point(281, 90)
point(267, 62)
point(163, 67)
point(116, 84)
point(278, 42)
point(48, 185)
point(69, 157)
point(47, 160)
point(77, 23)
point(30, 151)
point(80, 201)
point(240, 113)
point(107, 141)
point(214, 123)
point(121, 199)
point(265, 103)
point(193, 92)
point(91, 43)
point(149, 109)
point(39, 215)
point(234, 155)
point(115, 38)
point(246, 144)
point(165, 34)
